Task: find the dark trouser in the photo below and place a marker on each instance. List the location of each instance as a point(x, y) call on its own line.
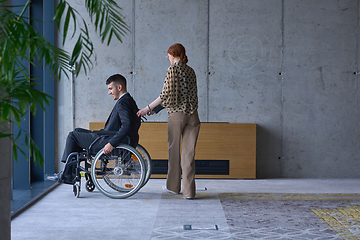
point(78, 140)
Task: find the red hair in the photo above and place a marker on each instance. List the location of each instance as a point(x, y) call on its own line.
point(178, 50)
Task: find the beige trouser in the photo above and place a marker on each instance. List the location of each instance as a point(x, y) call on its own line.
point(185, 126)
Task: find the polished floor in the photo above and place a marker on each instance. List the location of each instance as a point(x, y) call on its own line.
point(223, 209)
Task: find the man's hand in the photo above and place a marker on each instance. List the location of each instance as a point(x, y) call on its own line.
point(108, 148)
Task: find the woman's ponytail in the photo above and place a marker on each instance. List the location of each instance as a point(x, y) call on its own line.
point(183, 58)
point(178, 50)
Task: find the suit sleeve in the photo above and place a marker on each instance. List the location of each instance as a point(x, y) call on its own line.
point(123, 111)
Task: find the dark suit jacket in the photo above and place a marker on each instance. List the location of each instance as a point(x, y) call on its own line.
point(124, 121)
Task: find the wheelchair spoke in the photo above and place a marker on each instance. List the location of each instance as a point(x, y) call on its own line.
point(119, 174)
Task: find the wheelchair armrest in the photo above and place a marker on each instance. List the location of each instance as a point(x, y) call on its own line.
point(105, 132)
point(100, 133)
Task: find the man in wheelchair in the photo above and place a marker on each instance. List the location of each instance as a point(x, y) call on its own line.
point(121, 127)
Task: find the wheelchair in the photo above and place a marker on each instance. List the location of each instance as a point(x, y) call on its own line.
point(119, 174)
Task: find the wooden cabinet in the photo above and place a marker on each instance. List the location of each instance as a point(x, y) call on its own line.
point(219, 146)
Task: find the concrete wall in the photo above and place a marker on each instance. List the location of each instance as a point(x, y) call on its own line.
point(289, 66)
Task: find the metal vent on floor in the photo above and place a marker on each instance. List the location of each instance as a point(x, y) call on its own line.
point(189, 227)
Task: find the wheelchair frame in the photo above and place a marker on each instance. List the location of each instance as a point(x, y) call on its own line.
point(119, 174)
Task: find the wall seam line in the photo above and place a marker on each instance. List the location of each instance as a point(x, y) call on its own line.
point(357, 59)
point(282, 91)
point(133, 47)
point(208, 63)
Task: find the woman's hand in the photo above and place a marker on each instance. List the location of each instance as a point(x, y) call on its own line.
point(147, 110)
point(142, 112)
point(150, 113)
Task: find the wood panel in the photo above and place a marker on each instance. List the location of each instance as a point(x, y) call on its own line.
point(235, 142)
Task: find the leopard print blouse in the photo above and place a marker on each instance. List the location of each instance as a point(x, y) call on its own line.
point(179, 93)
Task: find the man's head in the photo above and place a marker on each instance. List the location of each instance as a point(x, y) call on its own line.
point(116, 85)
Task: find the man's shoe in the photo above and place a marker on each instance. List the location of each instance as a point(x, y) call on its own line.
point(53, 178)
point(57, 177)
point(167, 190)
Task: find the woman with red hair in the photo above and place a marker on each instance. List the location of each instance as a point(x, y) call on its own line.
point(179, 97)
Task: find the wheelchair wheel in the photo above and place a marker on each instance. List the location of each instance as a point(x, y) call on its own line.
point(89, 185)
point(119, 174)
point(76, 189)
point(146, 156)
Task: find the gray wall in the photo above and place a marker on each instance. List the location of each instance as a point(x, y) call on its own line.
point(286, 65)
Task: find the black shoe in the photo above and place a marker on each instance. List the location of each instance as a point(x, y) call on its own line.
point(57, 177)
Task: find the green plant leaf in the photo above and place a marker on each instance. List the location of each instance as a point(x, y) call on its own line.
point(5, 110)
point(21, 45)
point(66, 25)
point(14, 150)
point(59, 12)
point(3, 135)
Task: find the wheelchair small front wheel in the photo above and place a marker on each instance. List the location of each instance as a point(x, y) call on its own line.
point(119, 174)
point(89, 185)
point(76, 189)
